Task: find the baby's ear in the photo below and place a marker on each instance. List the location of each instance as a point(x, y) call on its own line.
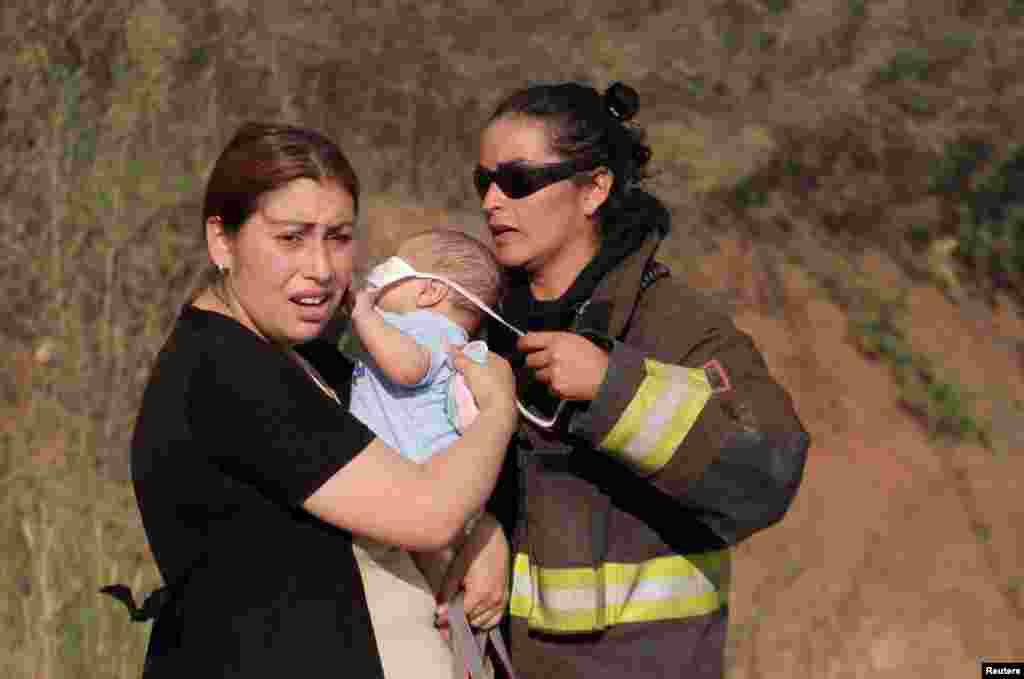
point(431, 294)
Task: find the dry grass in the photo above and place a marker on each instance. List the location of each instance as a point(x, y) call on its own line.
point(771, 117)
point(65, 533)
point(111, 260)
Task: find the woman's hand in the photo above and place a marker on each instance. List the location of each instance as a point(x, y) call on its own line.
point(481, 568)
point(572, 366)
point(493, 384)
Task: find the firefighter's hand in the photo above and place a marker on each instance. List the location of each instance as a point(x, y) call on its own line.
point(570, 365)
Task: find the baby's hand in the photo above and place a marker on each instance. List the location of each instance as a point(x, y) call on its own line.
point(460, 405)
point(491, 383)
point(362, 301)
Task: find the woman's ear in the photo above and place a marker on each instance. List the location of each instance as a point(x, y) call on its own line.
point(431, 293)
point(598, 190)
point(218, 244)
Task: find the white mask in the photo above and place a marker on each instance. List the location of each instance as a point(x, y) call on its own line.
point(394, 269)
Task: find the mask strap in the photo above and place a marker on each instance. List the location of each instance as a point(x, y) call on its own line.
point(413, 273)
point(474, 299)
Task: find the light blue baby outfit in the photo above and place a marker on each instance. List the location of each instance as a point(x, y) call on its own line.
point(413, 420)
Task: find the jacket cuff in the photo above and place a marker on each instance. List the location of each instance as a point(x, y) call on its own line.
point(644, 409)
point(621, 380)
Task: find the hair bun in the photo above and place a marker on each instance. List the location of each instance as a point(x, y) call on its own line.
point(621, 101)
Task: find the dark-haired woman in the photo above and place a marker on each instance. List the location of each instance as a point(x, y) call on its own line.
point(675, 442)
point(251, 475)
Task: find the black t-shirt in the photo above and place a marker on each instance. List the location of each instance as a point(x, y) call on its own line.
point(231, 438)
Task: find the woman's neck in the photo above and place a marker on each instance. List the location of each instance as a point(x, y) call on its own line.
point(208, 300)
point(554, 277)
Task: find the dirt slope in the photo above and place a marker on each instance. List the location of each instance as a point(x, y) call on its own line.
point(797, 142)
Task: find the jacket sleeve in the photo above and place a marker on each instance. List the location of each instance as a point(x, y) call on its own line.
point(725, 443)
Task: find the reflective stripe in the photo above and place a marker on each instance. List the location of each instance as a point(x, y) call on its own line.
point(664, 588)
point(659, 417)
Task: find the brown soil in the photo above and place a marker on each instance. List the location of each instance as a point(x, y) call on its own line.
point(898, 553)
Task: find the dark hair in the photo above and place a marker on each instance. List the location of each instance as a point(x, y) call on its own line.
point(590, 128)
point(262, 157)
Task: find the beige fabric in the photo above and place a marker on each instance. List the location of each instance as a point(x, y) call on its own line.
point(402, 610)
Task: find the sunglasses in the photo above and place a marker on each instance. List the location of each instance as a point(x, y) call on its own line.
point(518, 181)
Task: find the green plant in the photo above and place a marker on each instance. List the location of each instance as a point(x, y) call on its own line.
point(994, 248)
point(1015, 585)
point(982, 532)
point(990, 230)
point(792, 167)
point(958, 162)
point(199, 57)
point(949, 408)
point(775, 6)
point(766, 40)
point(920, 234)
point(960, 41)
point(794, 568)
point(730, 40)
point(913, 63)
point(119, 71)
point(858, 8)
point(942, 405)
point(919, 105)
point(185, 184)
point(696, 86)
point(746, 195)
point(1016, 8)
point(81, 141)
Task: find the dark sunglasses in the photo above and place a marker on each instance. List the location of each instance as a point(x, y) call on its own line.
point(518, 181)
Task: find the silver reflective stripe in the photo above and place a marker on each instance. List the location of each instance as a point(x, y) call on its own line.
point(580, 599)
point(584, 598)
point(659, 417)
point(521, 585)
point(664, 409)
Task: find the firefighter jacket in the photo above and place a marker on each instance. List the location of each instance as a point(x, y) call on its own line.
point(626, 514)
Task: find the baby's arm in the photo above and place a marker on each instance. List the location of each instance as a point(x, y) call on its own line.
point(402, 359)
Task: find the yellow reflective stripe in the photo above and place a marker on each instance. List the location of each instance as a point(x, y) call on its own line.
point(699, 392)
point(554, 621)
point(635, 415)
point(617, 573)
point(661, 414)
point(646, 611)
point(664, 588)
point(521, 597)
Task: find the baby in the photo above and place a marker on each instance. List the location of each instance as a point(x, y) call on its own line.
point(401, 384)
point(404, 389)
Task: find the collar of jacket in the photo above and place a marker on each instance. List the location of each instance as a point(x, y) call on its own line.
point(620, 287)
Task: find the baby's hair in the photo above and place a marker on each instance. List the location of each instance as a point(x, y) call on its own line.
point(460, 258)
